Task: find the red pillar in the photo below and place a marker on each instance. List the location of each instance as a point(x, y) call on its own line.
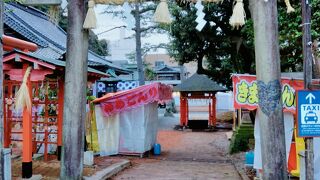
point(7, 119)
point(27, 135)
point(60, 116)
point(182, 110)
point(187, 112)
point(210, 114)
point(214, 120)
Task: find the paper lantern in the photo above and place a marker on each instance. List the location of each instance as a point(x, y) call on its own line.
point(162, 14)
point(238, 15)
point(90, 21)
point(289, 7)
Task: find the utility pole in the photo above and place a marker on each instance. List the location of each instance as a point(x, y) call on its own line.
point(270, 115)
point(138, 43)
point(307, 72)
point(75, 93)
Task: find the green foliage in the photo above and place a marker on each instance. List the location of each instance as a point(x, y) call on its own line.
point(290, 35)
point(149, 74)
point(98, 46)
point(240, 139)
point(225, 50)
point(228, 50)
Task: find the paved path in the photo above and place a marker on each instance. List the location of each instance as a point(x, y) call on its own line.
point(185, 155)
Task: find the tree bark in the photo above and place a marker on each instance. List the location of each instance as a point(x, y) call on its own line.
point(138, 44)
point(307, 73)
point(1, 75)
point(75, 93)
point(269, 113)
point(1, 90)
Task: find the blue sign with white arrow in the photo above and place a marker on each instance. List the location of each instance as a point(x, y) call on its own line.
point(308, 108)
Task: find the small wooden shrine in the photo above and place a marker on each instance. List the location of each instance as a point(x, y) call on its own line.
point(37, 128)
point(198, 86)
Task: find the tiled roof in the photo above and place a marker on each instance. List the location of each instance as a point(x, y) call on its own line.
point(58, 62)
point(37, 23)
point(199, 83)
point(166, 69)
point(35, 26)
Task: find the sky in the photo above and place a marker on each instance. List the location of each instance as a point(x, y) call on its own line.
point(106, 22)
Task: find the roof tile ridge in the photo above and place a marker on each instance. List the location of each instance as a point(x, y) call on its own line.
point(40, 34)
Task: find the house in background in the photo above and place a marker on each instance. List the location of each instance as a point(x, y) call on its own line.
point(159, 61)
point(165, 72)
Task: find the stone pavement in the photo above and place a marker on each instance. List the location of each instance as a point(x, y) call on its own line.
point(185, 155)
point(176, 170)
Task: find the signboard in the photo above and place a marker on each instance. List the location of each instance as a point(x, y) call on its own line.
point(308, 113)
point(245, 91)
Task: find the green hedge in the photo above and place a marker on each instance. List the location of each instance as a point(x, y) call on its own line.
point(240, 139)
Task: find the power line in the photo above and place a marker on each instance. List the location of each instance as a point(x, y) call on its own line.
point(110, 29)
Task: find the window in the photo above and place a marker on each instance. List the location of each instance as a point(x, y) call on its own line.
point(159, 63)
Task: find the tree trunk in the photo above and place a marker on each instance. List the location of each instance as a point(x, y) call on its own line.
point(1, 91)
point(1, 75)
point(138, 44)
point(75, 93)
point(307, 73)
point(269, 113)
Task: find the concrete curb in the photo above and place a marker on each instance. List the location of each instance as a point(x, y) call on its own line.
point(240, 171)
point(109, 171)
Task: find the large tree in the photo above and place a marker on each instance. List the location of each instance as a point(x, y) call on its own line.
point(228, 50)
point(218, 44)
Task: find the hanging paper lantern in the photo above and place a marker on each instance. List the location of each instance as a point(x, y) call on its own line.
point(289, 7)
point(238, 15)
point(90, 21)
point(162, 14)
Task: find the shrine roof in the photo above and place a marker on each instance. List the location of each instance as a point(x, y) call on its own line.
point(199, 83)
point(53, 61)
point(35, 26)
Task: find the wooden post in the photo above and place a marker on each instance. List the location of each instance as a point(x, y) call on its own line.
point(75, 94)
point(270, 115)
point(234, 124)
point(60, 117)
point(27, 134)
point(307, 72)
point(239, 116)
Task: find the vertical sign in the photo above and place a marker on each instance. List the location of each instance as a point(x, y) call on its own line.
point(308, 113)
